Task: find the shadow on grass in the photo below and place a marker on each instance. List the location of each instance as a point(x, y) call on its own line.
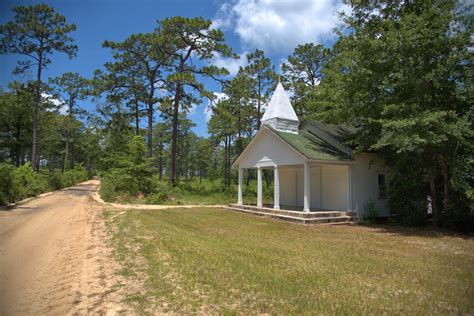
point(428, 230)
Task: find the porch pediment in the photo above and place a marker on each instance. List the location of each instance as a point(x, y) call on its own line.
point(266, 150)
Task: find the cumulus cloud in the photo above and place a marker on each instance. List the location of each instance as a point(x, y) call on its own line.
point(231, 64)
point(208, 110)
point(279, 25)
point(61, 106)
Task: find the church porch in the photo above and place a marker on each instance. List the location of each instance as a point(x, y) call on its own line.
point(309, 187)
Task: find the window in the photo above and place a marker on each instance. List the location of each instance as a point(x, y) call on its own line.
point(382, 187)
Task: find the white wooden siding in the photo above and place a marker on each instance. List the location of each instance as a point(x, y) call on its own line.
point(334, 187)
point(287, 187)
point(364, 179)
point(315, 187)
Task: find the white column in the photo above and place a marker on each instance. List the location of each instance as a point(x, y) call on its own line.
point(276, 189)
point(307, 197)
point(259, 187)
point(239, 188)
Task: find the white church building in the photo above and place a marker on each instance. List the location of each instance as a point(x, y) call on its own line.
point(313, 170)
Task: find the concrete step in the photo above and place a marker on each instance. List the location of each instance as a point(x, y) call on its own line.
point(339, 219)
point(300, 214)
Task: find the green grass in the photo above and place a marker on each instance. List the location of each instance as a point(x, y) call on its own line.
point(223, 262)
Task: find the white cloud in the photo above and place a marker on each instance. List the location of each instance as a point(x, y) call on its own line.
point(231, 64)
point(193, 108)
point(208, 110)
point(277, 25)
point(223, 18)
point(56, 102)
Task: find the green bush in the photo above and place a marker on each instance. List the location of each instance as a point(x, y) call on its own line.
point(157, 198)
point(73, 176)
point(26, 182)
point(370, 212)
point(22, 182)
point(69, 178)
point(117, 182)
point(407, 198)
point(6, 187)
point(56, 181)
point(458, 215)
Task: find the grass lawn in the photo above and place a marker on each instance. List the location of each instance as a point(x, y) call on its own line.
point(222, 262)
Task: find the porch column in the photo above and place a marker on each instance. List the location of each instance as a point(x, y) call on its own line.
point(239, 188)
point(259, 187)
point(276, 189)
point(307, 197)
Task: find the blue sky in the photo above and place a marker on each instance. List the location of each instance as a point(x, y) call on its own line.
point(276, 26)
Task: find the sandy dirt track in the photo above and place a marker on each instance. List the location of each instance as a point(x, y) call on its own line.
point(54, 257)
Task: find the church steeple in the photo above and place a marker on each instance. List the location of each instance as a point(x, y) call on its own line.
point(280, 114)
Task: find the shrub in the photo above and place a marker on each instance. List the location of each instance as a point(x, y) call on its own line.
point(370, 212)
point(159, 191)
point(458, 215)
point(115, 183)
point(22, 182)
point(26, 182)
point(56, 181)
point(6, 188)
point(407, 198)
point(157, 198)
point(74, 176)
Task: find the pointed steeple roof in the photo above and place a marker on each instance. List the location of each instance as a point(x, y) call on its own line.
point(280, 106)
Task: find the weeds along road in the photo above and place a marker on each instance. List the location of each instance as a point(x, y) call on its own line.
point(54, 257)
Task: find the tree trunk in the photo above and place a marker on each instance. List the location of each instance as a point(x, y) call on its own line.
point(267, 179)
point(23, 156)
point(65, 157)
point(150, 131)
point(225, 161)
point(18, 146)
point(66, 149)
point(434, 198)
point(160, 161)
point(51, 164)
point(174, 138)
point(229, 154)
point(445, 169)
point(137, 119)
point(258, 106)
point(34, 144)
point(38, 162)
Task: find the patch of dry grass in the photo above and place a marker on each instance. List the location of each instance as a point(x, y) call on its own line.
point(216, 261)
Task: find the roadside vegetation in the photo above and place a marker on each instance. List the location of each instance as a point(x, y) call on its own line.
point(213, 261)
point(22, 182)
point(191, 192)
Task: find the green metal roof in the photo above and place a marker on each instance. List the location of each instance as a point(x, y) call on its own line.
point(318, 141)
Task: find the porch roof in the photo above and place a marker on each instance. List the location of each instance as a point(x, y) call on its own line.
point(316, 143)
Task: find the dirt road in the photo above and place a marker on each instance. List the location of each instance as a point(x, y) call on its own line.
point(54, 257)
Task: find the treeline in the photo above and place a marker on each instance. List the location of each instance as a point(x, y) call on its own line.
point(65, 147)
